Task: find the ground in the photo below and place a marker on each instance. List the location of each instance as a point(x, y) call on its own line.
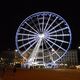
point(41, 74)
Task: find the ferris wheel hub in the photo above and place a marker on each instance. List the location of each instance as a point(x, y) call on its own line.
point(41, 36)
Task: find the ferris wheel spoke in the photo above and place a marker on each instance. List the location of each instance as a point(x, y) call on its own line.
point(56, 45)
point(52, 48)
point(42, 46)
point(29, 47)
point(31, 27)
point(56, 26)
point(43, 23)
point(45, 45)
point(35, 51)
point(55, 52)
point(52, 23)
point(38, 23)
point(58, 30)
point(23, 34)
point(43, 51)
point(35, 25)
point(28, 30)
point(26, 39)
point(58, 40)
point(27, 43)
point(56, 35)
point(47, 22)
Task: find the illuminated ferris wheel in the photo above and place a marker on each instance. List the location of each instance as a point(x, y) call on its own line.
point(41, 37)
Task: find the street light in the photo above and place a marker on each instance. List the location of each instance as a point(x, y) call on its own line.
point(79, 47)
point(1, 58)
point(79, 55)
point(52, 50)
point(16, 50)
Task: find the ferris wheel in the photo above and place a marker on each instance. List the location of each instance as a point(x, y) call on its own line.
point(41, 37)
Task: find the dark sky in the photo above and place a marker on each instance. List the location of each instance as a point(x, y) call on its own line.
point(12, 13)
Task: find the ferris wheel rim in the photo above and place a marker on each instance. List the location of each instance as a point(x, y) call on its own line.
point(47, 13)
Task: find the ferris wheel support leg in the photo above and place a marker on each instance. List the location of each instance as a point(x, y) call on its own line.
point(35, 51)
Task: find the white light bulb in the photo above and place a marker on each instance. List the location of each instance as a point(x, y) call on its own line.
point(41, 36)
point(79, 47)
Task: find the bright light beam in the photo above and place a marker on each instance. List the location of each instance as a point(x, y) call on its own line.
point(35, 51)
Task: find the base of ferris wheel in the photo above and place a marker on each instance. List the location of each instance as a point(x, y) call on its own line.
point(38, 64)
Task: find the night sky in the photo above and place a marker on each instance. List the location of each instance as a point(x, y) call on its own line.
point(12, 13)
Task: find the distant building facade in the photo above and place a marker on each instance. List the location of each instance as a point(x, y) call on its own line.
point(71, 58)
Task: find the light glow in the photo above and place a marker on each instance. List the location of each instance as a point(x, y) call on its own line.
point(41, 36)
point(79, 47)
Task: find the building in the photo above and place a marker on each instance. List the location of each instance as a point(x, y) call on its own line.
point(71, 58)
